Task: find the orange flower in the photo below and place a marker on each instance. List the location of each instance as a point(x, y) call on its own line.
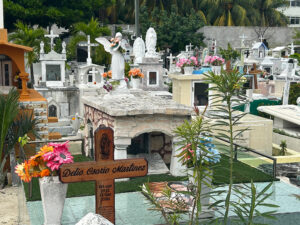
point(45, 173)
point(23, 171)
point(73, 118)
point(109, 74)
point(104, 75)
point(43, 150)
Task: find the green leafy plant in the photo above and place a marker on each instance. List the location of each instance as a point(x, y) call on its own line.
point(246, 206)
point(283, 147)
point(227, 89)
point(229, 53)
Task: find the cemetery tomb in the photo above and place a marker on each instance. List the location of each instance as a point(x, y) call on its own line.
point(138, 115)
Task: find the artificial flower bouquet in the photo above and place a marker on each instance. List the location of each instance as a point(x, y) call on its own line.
point(46, 162)
point(135, 73)
point(214, 60)
point(183, 62)
point(191, 157)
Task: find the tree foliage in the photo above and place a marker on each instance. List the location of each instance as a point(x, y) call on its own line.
point(47, 12)
point(173, 31)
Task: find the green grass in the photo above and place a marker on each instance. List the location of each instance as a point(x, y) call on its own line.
point(242, 173)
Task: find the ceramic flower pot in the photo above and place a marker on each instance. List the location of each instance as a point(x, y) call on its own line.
point(205, 189)
point(53, 194)
point(216, 69)
point(135, 83)
point(188, 70)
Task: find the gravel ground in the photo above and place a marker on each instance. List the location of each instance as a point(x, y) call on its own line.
point(13, 209)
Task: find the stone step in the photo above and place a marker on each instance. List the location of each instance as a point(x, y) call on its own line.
point(60, 123)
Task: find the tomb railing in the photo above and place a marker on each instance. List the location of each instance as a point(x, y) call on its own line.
point(240, 148)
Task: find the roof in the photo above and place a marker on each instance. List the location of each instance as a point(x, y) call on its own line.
point(280, 48)
point(258, 44)
point(24, 48)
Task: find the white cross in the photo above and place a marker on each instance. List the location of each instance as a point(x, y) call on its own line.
point(93, 72)
point(128, 30)
point(171, 57)
point(1, 15)
point(243, 38)
point(292, 49)
point(51, 36)
point(261, 38)
point(89, 45)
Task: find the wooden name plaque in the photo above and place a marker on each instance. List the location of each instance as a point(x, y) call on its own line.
point(103, 171)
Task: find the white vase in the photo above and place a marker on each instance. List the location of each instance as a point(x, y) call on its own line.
point(135, 83)
point(205, 189)
point(216, 69)
point(53, 194)
point(188, 70)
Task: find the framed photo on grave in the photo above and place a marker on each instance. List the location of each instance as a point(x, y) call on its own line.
point(53, 72)
point(152, 78)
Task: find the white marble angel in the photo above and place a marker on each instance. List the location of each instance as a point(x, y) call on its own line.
point(117, 61)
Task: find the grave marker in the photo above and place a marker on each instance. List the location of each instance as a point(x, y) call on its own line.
point(103, 171)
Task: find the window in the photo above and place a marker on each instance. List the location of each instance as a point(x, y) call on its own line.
point(52, 111)
point(53, 73)
point(6, 74)
point(200, 94)
point(153, 78)
point(294, 20)
point(295, 3)
point(90, 78)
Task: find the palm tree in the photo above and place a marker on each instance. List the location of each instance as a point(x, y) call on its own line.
point(227, 12)
point(27, 36)
point(268, 13)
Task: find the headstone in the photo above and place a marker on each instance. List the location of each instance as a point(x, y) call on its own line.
point(93, 219)
point(287, 85)
point(138, 50)
point(103, 171)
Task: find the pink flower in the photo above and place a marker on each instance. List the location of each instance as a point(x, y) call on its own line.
point(59, 156)
point(207, 59)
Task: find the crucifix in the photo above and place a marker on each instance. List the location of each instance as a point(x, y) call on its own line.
point(88, 45)
point(215, 47)
point(254, 72)
point(93, 72)
point(52, 37)
point(104, 171)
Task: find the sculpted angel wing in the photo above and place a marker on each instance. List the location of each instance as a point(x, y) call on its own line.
point(106, 44)
point(125, 45)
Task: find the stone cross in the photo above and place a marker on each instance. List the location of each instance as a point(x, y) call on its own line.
point(1, 15)
point(287, 85)
point(188, 48)
point(261, 38)
point(89, 45)
point(103, 171)
point(243, 38)
point(93, 72)
point(171, 57)
point(52, 37)
point(292, 49)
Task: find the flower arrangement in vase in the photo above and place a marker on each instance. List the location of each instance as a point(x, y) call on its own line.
point(214, 60)
point(135, 73)
point(46, 162)
point(184, 62)
point(45, 165)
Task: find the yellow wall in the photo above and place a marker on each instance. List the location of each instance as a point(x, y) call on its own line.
point(182, 87)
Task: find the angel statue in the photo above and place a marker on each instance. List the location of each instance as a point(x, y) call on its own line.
point(117, 61)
